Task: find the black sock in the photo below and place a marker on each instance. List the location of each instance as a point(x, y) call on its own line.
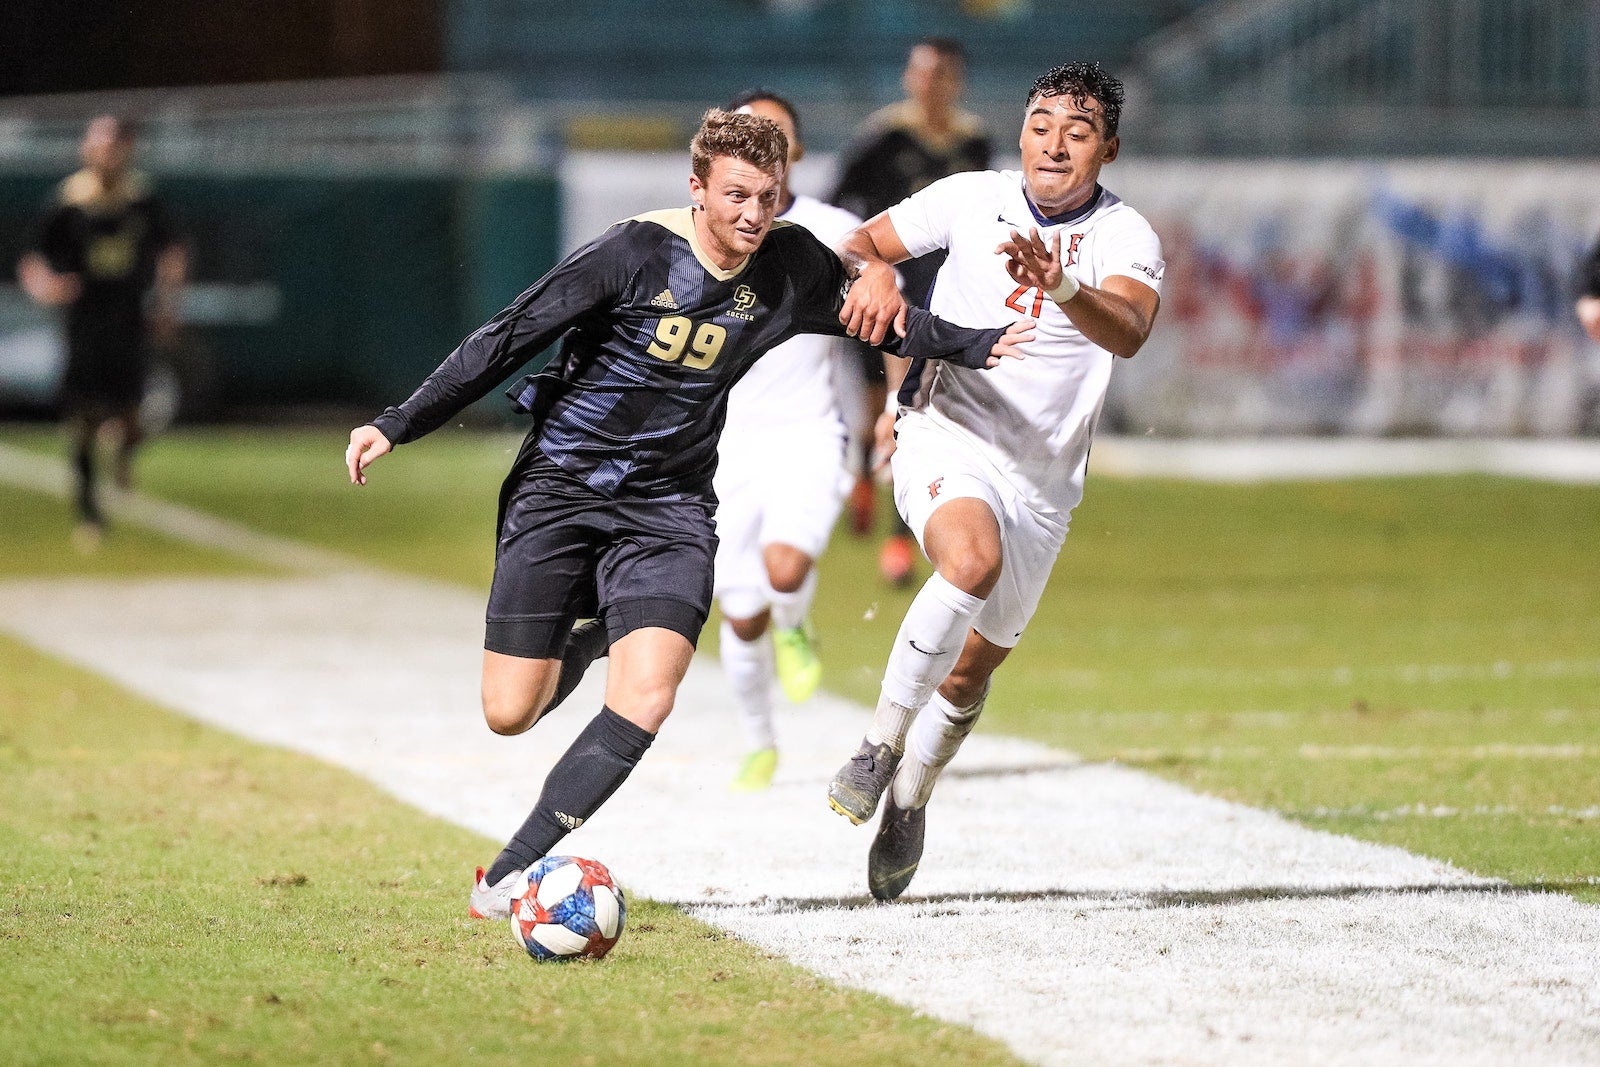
point(88, 506)
point(599, 761)
point(589, 641)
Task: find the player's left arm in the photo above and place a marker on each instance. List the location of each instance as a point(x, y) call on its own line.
point(1118, 315)
point(171, 275)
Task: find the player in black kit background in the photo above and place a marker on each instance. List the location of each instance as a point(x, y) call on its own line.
point(899, 150)
point(608, 512)
point(101, 248)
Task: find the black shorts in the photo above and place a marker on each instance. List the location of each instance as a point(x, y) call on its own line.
point(566, 552)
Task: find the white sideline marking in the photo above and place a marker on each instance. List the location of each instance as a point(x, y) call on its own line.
point(1079, 912)
point(1292, 458)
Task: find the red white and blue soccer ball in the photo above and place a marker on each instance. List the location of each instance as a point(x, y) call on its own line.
point(563, 907)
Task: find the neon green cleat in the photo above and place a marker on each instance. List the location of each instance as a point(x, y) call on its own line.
point(755, 773)
point(799, 669)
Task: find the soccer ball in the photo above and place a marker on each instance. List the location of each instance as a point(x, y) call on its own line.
point(564, 906)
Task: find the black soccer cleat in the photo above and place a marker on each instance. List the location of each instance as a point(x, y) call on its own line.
point(855, 790)
point(896, 851)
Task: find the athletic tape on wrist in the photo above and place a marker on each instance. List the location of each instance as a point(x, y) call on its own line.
point(1065, 289)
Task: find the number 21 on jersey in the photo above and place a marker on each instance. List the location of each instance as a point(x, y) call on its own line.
point(675, 333)
point(1014, 301)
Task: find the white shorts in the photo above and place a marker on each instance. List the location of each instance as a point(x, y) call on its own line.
point(786, 486)
point(931, 466)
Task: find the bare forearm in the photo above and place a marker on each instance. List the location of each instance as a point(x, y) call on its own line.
point(1109, 320)
point(860, 253)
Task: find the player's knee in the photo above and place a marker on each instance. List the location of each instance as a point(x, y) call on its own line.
point(647, 707)
point(787, 568)
point(975, 571)
point(509, 713)
point(964, 686)
point(749, 629)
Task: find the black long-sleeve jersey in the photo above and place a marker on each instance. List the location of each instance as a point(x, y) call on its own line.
point(112, 243)
point(653, 336)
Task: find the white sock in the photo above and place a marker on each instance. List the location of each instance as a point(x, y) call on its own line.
point(929, 642)
point(748, 665)
point(889, 724)
point(789, 609)
point(935, 737)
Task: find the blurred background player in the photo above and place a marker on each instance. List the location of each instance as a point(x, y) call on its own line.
point(987, 470)
point(781, 480)
point(1588, 306)
point(899, 150)
point(608, 512)
point(104, 253)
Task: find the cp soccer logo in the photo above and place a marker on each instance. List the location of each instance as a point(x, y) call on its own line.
point(934, 487)
point(744, 298)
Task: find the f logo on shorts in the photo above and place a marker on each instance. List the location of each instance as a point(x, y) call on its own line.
point(934, 487)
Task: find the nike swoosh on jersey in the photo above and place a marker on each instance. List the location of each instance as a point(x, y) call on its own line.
point(925, 652)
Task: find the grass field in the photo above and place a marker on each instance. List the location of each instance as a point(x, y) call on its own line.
point(177, 895)
point(1409, 661)
point(1412, 661)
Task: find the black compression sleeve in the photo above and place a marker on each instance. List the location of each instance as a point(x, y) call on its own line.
point(930, 337)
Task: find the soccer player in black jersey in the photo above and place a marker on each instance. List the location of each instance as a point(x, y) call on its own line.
point(608, 511)
point(101, 247)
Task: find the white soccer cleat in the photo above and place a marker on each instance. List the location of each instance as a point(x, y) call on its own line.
point(492, 901)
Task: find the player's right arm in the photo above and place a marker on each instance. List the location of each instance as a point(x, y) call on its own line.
point(367, 443)
point(594, 276)
point(43, 272)
point(874, 304)
point(44, 285)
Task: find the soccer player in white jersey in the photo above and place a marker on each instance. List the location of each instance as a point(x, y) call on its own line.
point(781, 481)
point(987, 468)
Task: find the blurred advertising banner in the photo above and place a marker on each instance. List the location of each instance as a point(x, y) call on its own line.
point(1350, 297)
point(1356, 297)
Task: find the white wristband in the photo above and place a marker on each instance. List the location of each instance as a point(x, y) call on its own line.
point(1065, 289)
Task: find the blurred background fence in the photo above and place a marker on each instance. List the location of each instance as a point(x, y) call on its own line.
point(1373, 210)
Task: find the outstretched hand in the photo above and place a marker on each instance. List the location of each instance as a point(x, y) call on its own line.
point(1010, 344)
point(1032, 262)
point(367, 443)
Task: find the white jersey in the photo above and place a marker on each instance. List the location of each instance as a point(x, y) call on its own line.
point(793, 382)
point(1031, 419)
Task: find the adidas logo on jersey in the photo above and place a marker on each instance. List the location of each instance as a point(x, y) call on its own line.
point(664, 300)
point(571, 822)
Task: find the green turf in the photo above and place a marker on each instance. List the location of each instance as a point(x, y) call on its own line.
point(1246, 640)
point(173, 894)
point(179, 895)
point(36, 535)
point(1413, 661)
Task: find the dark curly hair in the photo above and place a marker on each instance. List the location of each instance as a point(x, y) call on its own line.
point(1081, 81)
